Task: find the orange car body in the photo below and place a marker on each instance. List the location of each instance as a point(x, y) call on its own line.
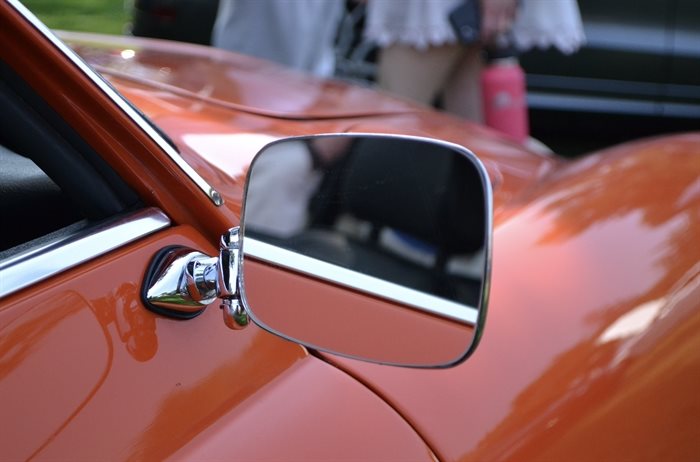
point(591, 350)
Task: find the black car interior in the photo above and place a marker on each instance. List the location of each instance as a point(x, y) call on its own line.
point(50, 178)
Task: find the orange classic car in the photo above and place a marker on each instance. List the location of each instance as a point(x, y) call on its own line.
point(204, 256)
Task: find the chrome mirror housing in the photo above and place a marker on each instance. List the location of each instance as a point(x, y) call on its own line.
point(373, 247)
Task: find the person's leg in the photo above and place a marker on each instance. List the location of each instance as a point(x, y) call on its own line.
point(462, 95)
point(416, 74)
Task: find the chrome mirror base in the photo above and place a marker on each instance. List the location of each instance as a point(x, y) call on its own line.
point(182, 282)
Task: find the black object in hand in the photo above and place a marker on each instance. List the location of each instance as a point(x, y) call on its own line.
point(466, 21)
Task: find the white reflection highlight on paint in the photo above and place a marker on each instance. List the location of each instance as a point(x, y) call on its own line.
point(231, 153)
point(634, 322)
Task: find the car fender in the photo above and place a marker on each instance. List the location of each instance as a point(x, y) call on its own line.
point(591, 349)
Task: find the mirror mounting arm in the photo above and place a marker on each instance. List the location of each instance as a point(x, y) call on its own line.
point(181, 282)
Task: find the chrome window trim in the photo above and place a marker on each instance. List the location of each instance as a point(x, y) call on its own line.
point(361, 282)
point(39, 263)
point(98, 80)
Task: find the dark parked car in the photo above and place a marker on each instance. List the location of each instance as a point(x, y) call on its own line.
point(642, 57)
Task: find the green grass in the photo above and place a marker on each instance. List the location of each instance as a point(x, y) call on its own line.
point(103, 16)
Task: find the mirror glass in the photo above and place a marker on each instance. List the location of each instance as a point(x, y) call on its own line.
point(370, 246)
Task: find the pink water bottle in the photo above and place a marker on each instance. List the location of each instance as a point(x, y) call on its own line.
point(504, 96)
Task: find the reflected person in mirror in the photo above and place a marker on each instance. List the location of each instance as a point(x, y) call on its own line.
point(284, 183)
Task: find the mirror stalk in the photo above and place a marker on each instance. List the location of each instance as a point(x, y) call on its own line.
point(183, 282)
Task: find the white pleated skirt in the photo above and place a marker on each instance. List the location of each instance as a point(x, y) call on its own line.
point(424, 23)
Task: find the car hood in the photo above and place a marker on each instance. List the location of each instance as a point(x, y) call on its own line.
point(229, 80)
point(220, 108)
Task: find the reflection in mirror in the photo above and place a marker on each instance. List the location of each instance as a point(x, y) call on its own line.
point(373, 247)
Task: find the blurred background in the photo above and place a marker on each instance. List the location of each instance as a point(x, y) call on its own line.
point(638, 75)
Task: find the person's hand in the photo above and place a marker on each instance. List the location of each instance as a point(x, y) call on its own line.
point(497, 18)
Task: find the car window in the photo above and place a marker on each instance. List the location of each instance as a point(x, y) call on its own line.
point(60, 202)
point(50, 177)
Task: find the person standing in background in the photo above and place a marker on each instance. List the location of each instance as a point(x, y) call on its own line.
point(296, 33)
point(420, 56)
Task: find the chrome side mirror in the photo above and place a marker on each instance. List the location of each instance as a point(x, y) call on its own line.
point(369, 246)
point(374, 247)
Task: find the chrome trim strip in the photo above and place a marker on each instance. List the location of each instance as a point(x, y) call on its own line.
point(54, 257)
point(98, 80)
point(358, 281)
point(566, 102)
